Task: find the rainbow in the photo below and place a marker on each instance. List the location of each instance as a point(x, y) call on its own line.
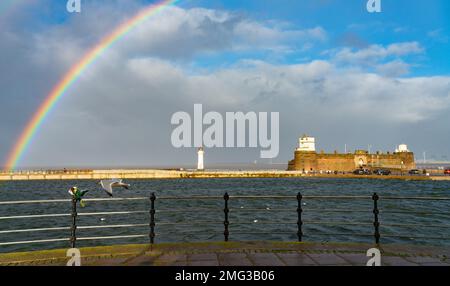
point(26, 137)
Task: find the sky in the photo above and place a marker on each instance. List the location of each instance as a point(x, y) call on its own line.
point(330, 68)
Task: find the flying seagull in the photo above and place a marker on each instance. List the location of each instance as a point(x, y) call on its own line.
point(108, 185)
point(78, 195)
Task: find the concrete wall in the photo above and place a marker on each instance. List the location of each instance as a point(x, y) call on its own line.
point(90, 175)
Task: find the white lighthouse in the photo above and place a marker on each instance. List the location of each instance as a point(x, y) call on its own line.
point(200, 165)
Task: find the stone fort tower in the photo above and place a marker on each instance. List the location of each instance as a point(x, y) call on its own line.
point(308, 160)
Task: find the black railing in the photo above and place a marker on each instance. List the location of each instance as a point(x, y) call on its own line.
point(227, 200)
point(376, 222)
point(73, 229)
point(226, 222)
point(299, 217)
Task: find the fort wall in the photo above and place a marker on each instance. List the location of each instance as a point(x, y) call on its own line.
point(312, 161)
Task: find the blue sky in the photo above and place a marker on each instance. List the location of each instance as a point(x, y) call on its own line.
point(329, 67)
point(400, 21)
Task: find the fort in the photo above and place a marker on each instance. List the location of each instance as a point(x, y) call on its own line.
point(306, 159)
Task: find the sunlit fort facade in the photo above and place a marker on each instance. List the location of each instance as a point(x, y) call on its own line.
point(308, 160)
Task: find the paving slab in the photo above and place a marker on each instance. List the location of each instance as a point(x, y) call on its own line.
point(105, 262)
point(428, 261)
point(234, 259)
point(296, 259)
point(355, 259)
point(202, 257)
point(328, 259)
point(204, 263)
point(435, 264)
point(171, 259)
point(265, 259)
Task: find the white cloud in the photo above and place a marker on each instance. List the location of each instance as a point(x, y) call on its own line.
point(376, 53)
point(394, 68)
point(178, 33)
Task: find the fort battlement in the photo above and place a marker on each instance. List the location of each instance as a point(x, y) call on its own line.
point(308, 160)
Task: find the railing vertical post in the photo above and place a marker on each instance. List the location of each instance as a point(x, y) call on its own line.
point(299, 214)
point(376, 222)
point(152, 218)
point(226, 210)
point(73, 228)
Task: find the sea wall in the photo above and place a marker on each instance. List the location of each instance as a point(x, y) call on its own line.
point(90, 175)
point(190, 174)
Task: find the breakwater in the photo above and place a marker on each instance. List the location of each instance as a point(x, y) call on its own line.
point(179, 174)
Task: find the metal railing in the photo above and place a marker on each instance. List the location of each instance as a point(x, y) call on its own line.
point(153, 214)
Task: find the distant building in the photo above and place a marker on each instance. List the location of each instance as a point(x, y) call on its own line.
point(308, 160)
point(307, 144)
point(402, 148)
point(200, 165)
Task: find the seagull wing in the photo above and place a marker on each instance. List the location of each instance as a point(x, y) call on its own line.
point(126, 186)
point(107, 186)
point(120, 183)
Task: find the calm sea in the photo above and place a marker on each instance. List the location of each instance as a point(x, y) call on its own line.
point(266, 219)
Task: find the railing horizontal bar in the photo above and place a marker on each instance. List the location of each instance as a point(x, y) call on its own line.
point(199, 232)
point(34, 202)
point(261, 232)
point(112, 237)
point(191, 223)
point(68, 201)
point(266, 222)
point(34, 241)
point(34, 230)
point(413, 212)
point(260, 209)
point(117, 199)
point(112, 226)
point(369, 211)
point(263, 197)
point(339, 234)
point(337, 210)
point(219, 197)
point(111, 213)
point(191, 198)
point(414, 237)
point(33, 216)
point(336, 223)
point(414, 225)
point(80, 214)
point(338, 197)
point(417, 198)
point(189, 210)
